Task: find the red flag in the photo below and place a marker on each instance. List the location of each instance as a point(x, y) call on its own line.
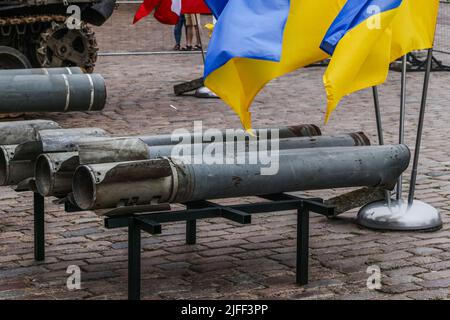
point(194, 6)
point(166, 11)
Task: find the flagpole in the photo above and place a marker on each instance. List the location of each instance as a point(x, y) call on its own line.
point(400, 215)
point(197, 30)
point(401, 134)
point(376, 102)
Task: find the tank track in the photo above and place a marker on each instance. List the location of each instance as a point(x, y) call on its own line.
point(17, 21)
point(26, 35)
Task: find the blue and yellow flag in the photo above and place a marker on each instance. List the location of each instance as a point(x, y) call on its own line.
point(367, 36)
point(216, 6)
point(256, 41)
point(414, 27)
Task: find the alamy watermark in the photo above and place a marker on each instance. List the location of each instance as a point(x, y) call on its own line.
point(73, 21)
point(374, 280)
point(74, 279)
point(374, 20)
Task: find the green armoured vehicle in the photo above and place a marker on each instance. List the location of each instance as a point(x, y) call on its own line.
point(34, 33)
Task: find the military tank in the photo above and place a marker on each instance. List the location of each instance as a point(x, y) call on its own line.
point(34, 33)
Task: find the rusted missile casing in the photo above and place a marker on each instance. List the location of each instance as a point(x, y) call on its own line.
point(52, 93)
point(17, 132)
point(343, 140)
point(174, 181)
point(151, 182)
point(17, 162)
point(54, 172)
point(131, 149)
point(12, 172)
point(40, 71)
point(61, 140)
point(67, 139)
point(117, 149)
point(113, 150)
point(302, 130)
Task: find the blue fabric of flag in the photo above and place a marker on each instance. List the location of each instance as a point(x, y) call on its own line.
point(256, 32)
point(216, 6)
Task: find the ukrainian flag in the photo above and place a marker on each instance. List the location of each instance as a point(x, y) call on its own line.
point(414, 27)
point(367, 36)
point(216, 6)
point(256, 41)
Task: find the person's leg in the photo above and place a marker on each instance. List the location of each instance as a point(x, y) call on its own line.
point(177, 32)
point(190, 36)
point(189, 31)
point(198, 32)
point(182, 22)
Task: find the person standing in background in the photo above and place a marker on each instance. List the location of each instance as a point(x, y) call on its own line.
point(178, 32)
point(192, 22)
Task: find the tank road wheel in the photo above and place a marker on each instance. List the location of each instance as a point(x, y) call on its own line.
point(11, 58)
point(59, 46)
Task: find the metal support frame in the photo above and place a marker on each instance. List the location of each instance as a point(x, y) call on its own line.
point(39, 223)
point(151, 223)
point(39, 227)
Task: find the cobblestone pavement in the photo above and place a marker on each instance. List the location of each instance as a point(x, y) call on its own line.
point(233, 261)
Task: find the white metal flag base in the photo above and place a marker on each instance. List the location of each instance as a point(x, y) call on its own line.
point(400, 216)
point(204, 92)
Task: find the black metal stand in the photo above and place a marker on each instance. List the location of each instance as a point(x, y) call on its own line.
point(151, 223)
point(39, 224)
point(39, 227)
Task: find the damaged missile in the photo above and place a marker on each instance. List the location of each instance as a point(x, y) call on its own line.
point(53, 171)
point(40, 71)
point(17, 161)
point(302, 130)
point(17, 132)
point(37, 141)
point(172, 180)
point(52, 93)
